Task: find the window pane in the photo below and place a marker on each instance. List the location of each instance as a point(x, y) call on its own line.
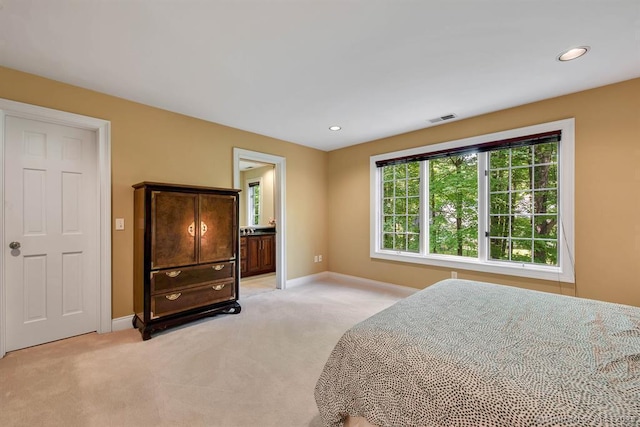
point(499, 249)
point(413, 205)
point(521, 178)
point(387, 241)
point(413, 169)
point(546, 153)
point(453, 200)
point(414, 187)
point(388, 189)
point(254, 204)
point(521, 250)
point(401, 207)
point(522, 202)
point(546, 201)
point(387, 206)
point(521, 156)
point(400, 243)
point(522, 227)
point(388, 224)
point(499, 159)
point(525, 214)
point(499, 203)
point(499, 226)
point(414, 243)
point(499, 180)
point(546, 226)
point(546, 176)
point(546, 252)
point(401, 188)
point(388, 173)
point(413, 224)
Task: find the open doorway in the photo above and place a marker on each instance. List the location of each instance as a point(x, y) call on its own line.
point(261, 177)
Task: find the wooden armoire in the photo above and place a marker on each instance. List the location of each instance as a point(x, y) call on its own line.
point(186, 254)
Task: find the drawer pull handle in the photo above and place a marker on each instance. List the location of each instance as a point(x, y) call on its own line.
point(218, 287)
point(173, 273)
point(173, 297)
point(218, 267)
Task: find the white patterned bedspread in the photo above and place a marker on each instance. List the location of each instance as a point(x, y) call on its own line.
point(471, 354)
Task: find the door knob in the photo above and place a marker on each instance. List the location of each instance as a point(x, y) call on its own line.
point(14, 245)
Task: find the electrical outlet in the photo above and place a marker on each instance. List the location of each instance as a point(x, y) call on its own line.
point(315, 258)
point(454, 274)
point(119, 223)
point(319, 258)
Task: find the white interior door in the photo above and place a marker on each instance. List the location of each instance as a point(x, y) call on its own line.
point(51, 212)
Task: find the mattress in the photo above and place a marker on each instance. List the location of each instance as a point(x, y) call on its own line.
point(472, 354)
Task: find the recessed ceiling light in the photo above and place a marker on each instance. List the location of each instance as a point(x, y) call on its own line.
point(335, 128)
point(573, 53)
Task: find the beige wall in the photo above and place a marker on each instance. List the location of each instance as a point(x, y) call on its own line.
point(607, 222)
point(333, 188)
point(149, 144)
point(267, 205)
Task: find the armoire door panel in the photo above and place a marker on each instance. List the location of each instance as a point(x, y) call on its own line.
point(174, 233)
point(217, 222)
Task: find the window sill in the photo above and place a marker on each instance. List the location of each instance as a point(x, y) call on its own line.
point(512, 269)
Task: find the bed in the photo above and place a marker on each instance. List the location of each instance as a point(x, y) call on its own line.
point(471, 354)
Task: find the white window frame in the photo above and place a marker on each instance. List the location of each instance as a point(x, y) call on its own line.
point(249, 205)
point(564, 272)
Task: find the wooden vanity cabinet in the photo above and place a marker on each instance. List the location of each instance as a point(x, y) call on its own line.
point(243, 256)
point(185, 254)
point(259, 255)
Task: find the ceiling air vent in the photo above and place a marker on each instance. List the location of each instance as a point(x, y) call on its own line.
point(443, 118)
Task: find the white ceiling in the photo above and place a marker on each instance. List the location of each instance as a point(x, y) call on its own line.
point(291, 68)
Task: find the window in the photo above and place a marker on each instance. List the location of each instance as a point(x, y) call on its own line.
point(453, 205)
point(254, 202)
point(523, 204)
point(401, 206)
point(500, 203)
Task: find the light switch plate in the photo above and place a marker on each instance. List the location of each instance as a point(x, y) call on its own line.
point(119, 223)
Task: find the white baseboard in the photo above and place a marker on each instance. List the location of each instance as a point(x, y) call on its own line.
point(361, 281)
point(121, 323)
point(305, 280)
point(352, 280)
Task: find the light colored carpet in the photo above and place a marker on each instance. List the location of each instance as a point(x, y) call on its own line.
point(257, 284)
point(258, 368)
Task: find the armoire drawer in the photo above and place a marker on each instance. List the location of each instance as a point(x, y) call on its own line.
point(173, 279)
point(186, 299)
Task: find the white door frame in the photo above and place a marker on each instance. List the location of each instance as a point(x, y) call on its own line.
point(280, 202)
point(102, 128)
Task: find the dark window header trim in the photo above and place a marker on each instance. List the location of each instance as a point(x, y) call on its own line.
point(521, 141)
